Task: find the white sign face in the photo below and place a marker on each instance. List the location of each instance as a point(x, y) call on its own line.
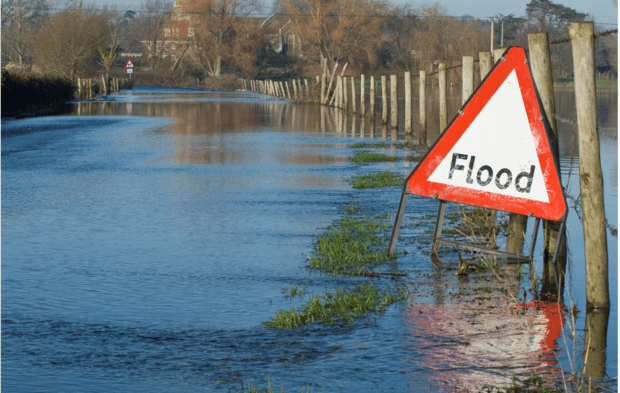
point(497, 153)
point(130, 70)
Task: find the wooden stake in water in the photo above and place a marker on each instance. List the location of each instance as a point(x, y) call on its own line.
point(590, 173)
point(384, 105)
point(394, 100)
point(353, 97)
point(372, 107)
point(408, 124)
point(443, 103)
point(345, 93)
point(422, 139)
point(362, 96)
point(540, 64)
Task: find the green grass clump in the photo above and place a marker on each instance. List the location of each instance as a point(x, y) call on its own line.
point(340, 307)
point(350, 246)
point(377, 180)
point(365, 156)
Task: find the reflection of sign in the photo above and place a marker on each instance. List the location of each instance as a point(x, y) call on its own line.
point(129, 64)
point(496, 152)
point(130, 70)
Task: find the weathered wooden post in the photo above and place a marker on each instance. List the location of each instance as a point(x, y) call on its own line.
point(372, 108)
point(288, 91)
point(362, 96)
point(79, 85)
point(497, 54)
point(394, 100)
point(353, 97)
point(384, 107)
point(422, 139)
point(345, 93)
point(595, 340)
point(408, 124)
point(540, 64)
point(307, 89)
point(468, 77)
point(485, 64)
point(322, 99)
point(104, 87)
point(90, 88)
point(295, 89)
point(443, 100)
point(590, 173)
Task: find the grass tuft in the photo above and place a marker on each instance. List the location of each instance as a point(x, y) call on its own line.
point(365, 156)
point(340, 307)
point(378, 180)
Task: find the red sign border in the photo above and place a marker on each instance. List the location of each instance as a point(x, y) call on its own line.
point(512, 59)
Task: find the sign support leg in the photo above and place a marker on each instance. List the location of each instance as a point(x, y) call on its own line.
point(398, 220)
point(560, 239)
point(439, 225)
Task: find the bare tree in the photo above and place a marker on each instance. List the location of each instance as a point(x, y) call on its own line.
point(21, 19)
point(67, 46)
point(118, 27)
point(334, 31)
point(151, 24)
point(222, 28)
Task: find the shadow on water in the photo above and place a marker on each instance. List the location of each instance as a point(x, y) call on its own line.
point(148, 237)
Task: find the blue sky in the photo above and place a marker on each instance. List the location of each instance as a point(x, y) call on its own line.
point(603, 11)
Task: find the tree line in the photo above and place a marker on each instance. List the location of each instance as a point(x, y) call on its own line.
point(291, 38)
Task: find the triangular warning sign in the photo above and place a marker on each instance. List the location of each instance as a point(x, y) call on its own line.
point(129, 64)
point(496, 153)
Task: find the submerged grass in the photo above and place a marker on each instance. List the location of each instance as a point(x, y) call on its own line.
point(340, 307)
point(365, 156)
point(377, 180)
point(351, 246)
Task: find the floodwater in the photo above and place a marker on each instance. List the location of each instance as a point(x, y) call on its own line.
point(149, 236)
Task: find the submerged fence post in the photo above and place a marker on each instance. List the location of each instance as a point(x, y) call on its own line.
point(540, 64)
point(408, 126)
point(394, 100)
point(345, 93)
point(590, 173)
point(372, 108)
point(422, 137)
point(384, 110)
point(468, 77)
point(443, 103)
point(353, 98)
point(362, 96)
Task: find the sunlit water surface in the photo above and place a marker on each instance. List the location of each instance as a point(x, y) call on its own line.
point(146, 239)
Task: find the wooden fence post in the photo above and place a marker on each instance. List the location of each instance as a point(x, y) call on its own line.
point(485, 64)
point(384, 110)
point(288, 91)
point(422, 138)
point(497, 54)
point(468, 77)
point(362, 96)
point(353, 97)
point(372, 108)
point(443, 100)
point(295, 89)
point(590, 173)
point(540, 64)
point(345, 93)
point(394, 100)
point(408, 125)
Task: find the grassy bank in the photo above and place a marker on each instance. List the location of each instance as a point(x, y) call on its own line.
point(25, 94)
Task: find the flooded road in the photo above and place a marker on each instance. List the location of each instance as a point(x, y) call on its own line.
point(148, 237)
